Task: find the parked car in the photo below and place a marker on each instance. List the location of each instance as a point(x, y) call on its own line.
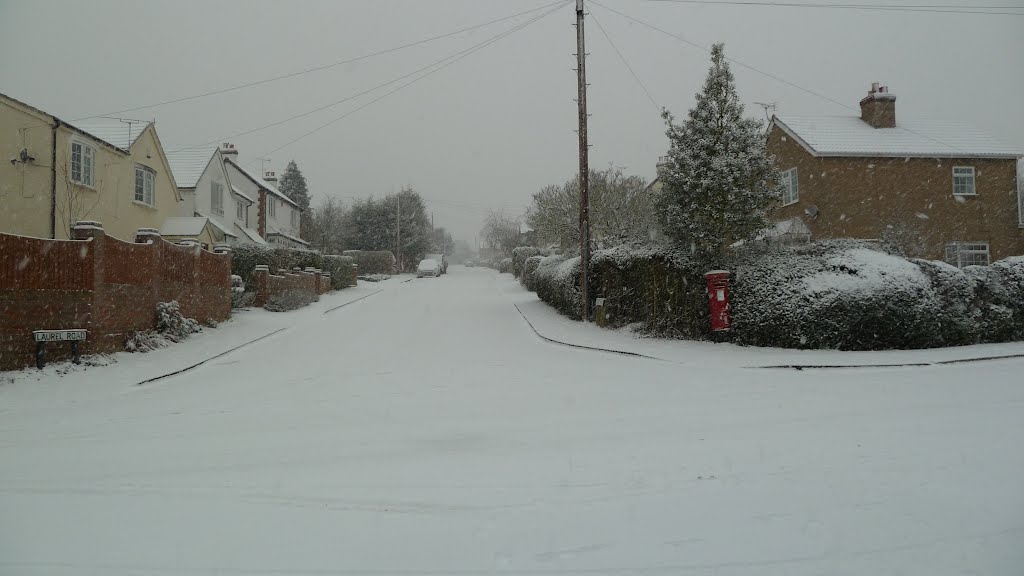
point(428, 267)
point(440, 258)
point(469, 264)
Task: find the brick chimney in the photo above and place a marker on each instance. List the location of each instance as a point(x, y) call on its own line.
point(878, 108)
point(228, 149)
point(270, 177)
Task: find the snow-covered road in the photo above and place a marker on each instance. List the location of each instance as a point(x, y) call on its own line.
point(428, 430)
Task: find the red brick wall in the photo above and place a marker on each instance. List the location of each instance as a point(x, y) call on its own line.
point(105, 285)
point(44, 285)
point(306, 285)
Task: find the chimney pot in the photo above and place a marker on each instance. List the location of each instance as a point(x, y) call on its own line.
point(874, 87)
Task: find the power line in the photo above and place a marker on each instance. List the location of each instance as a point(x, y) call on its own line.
point(927, 8)
point(733, 60)
point(319, 68)
point(457, 55)
point(625, 62)
point(452, 60)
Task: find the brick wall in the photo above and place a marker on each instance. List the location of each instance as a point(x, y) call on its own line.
point(305, 285)
point(102, 284)
point(908, 201)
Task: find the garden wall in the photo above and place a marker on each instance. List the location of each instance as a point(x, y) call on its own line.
point(102, 284)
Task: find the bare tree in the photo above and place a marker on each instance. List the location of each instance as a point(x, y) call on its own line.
point(501, 232)
point(326, 226)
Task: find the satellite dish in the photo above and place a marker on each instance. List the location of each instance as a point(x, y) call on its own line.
point(811, 211)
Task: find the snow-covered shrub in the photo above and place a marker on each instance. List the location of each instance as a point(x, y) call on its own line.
point(379, 262)
point(171, 326)
point(956, 311)
point(556, 280)
point(342, 270)
point(834, 295)
point(660, 289)
point(999, 293)
point(245, 258)
point(505, 266)
point(519, 256)
point(529, 267)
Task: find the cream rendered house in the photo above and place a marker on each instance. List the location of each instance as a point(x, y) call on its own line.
point(209, 193)
point(54, 173)
point(276, 216)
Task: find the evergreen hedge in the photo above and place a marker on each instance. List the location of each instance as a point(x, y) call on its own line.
point(519, 256)
point(373, 262)
point(529, 268)
point(245, 258)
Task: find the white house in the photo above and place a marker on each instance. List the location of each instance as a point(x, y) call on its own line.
point(277, 218)
point(209, 192)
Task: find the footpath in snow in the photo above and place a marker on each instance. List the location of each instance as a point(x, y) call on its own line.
point(551, 325)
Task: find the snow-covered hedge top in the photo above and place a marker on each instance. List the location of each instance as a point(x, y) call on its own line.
point(863, 272)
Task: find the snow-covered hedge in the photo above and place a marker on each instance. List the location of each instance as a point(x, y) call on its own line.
point(342, 270)
point(851, 297)
point(529, 267)
point(519, 256)
point(556, 281)
point(505, 266)
point(374, 262)
point(659, 288)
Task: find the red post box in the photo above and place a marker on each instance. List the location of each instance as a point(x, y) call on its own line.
point(718, 298)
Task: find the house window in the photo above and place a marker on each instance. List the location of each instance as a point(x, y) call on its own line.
point(145, 182)
point(963, 181)
point(295, 219)
point(962, 254)
point(83, 164)
point(239, 209)
point(790, 187)
point(273, 207)
point(217, 198)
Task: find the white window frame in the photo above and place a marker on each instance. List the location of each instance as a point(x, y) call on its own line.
point(962, 254)
point(295, 219)
point(1020, 204)
point(239, 210)
point(272, 203)
point(791, 187)
point(86, 164)
point(147, 195)
point(217, 198)
point(969, 173)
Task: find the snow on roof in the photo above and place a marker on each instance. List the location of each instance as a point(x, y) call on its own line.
point(275, 231)
point(116, 132)
point(251, 235)
point(188, 165)
point(216, 224)
point(183, 226)
point(242, 194)
point(851, 136)
point(261, 182)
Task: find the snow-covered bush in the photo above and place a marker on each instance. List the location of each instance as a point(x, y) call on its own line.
point(342, 270)
point(836, 295)
point(505, 266)
point(529, 267)
point(999, 297)
point(957, 313)
point(519, 256)
point(171, 326)
point(659, 288)
point(556, 280)
point(370, 262)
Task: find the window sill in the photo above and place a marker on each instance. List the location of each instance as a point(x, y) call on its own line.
point(144, 205)
point(83, 186)
point(965, 195)
point(791, 203)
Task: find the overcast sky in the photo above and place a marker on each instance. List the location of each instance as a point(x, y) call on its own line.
point(494, 127)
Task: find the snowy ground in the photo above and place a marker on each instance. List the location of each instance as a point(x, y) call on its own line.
point(427, 430)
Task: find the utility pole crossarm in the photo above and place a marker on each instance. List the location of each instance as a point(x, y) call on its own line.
point(581, 74)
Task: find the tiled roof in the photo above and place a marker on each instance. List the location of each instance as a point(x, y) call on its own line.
point(117, 133)
point(188, 165)
point(251, 234)
point(275, 231)
point(851, 136)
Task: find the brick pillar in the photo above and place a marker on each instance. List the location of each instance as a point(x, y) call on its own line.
point(261, 217)
point(151, 236)
point(93, 232)
point(261, 278)
point(224, 251)
point(326, 279)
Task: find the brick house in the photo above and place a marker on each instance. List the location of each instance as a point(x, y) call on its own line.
point(937, 189)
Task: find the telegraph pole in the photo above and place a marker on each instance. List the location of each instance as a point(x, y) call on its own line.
point(581, 74)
